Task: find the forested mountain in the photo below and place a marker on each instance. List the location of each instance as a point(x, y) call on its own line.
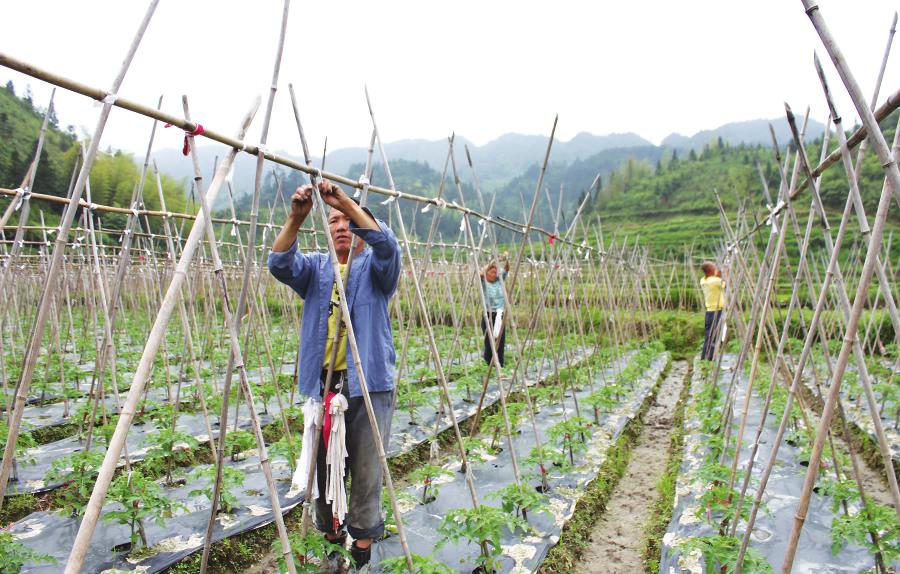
point(498, 162)
point(113, 176)
point(510, 202)
point(672, 205)
point(20, 125)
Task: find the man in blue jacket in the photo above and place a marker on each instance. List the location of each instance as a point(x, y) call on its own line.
point(373, 278)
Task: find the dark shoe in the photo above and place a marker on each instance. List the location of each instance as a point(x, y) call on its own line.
point(334, 563)
point(361, 557)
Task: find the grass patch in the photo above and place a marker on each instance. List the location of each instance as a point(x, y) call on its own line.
point(238, 553)
point(681, 332)
point(661, 511)
point(17, 507)
point(45, 435)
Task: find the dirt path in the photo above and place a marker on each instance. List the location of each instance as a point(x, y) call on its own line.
point(618, 536)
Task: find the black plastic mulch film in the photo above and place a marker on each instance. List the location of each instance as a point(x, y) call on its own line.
point(775, 519)
point(52, 534)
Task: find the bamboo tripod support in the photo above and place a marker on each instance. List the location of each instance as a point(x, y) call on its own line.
point(173, 293)
point(56, 261)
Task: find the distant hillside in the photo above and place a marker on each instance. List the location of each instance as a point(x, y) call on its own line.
point(671, 205)
point(498, 162)
point(750, 133)
point(20, 126)
point(112, 178)
point(570, 179)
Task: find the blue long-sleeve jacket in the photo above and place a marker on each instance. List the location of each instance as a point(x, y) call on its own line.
point(373, 278)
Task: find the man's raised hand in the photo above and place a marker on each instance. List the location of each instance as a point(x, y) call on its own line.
point(301, 201)
point(333, 195)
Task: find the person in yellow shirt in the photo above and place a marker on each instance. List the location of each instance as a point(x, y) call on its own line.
point(713, 287)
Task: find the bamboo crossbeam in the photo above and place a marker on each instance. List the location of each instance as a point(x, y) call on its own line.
point(244, 223)
point(40, 320)
point(254, 149)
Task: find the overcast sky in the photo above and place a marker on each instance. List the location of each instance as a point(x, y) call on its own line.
point(480, 68)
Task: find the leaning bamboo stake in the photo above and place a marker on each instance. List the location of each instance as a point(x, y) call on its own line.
point(892, 185)
point(431, 231)
point(231, 322)
point(20, 202)
point(490, 333)
point(40, 320)
point(442, 379)
point(796, 381)
point(874, 101)
point(185, 322)
point(110, 307)
point(311, 471)
point(249, 261)
point(761, 329)
point(843, 300)
point(779, 356)
point(755, 311)
point(157, 332)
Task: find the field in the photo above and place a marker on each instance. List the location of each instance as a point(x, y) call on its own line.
point(580, 413)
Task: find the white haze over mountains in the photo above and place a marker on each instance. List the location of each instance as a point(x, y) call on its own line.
point(481, 69)
point(497, 161)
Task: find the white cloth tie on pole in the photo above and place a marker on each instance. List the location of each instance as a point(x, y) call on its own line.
point(773, 212)
point(312, 410)
point(390, 199)
point(109, 99)
point(498, 322)
point(336, 458)
point(23, 194)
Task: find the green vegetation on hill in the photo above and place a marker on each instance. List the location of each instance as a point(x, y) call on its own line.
point(672, 205)
point(20, 125)
point(113, 176)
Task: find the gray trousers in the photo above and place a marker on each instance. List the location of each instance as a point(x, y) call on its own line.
point(364, 518)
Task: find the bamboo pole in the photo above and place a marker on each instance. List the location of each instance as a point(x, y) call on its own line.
point(21, 202)
point(442, 379)
point(231, 322)
point(92, 512)
point(486, 316)
point(185, 322)
point(892, 185)
point(40, 320)
point(843, 300)
point(234, 358)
